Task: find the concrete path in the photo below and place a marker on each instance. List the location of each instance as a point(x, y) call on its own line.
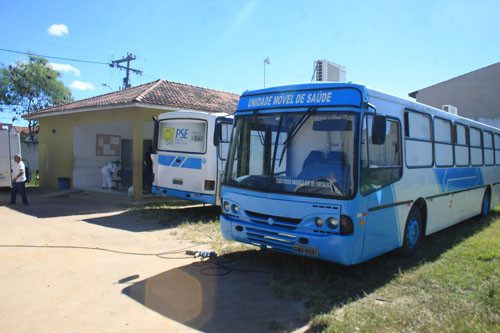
point(69, 265)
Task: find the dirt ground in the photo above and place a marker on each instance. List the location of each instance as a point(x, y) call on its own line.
point(73, 265)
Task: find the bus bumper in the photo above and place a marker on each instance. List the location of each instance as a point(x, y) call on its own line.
point(193, 196)
point(335, 248)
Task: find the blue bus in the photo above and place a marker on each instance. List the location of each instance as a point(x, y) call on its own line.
point(345, 173)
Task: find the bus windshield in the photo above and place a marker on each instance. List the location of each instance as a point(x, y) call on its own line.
point(308, 153)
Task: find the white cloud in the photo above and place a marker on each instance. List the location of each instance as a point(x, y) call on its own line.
point(58, 29)
point(79, 85)
point(64, 68)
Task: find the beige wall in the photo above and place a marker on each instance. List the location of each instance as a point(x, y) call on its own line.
point(56, 141)
point(474, 94)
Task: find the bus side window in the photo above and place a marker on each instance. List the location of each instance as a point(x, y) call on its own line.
point(489, 153)
point(497, 148)
point(476, 146)
point(380, 164)
point(461, 146)
point(418, 140)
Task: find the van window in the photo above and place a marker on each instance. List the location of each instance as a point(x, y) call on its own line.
point(182, 135)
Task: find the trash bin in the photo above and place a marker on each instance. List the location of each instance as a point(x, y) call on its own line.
point(64, 183)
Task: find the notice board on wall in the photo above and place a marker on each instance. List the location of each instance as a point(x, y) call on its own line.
point(107, 145)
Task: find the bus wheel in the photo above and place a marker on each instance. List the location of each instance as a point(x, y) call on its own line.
point(413, 233)
point(485, 207)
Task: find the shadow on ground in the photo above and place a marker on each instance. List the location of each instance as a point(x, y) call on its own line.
point(227, 294)
point(157, 219)
point(43, 207)
point(256, 291)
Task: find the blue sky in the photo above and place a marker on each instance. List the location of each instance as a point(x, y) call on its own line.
point(394, 46)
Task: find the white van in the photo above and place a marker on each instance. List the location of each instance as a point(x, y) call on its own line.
point(10, 145)
point(190, 150)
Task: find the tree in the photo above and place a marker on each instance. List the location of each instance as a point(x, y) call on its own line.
point(27, 87)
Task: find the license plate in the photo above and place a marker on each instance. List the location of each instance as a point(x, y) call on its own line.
point(304, 249)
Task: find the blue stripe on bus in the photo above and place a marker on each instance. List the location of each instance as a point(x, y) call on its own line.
point(165, 160)
point(178, 161)
point(192, 163)
point(455, 179)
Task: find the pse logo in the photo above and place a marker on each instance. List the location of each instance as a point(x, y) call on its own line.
point(173, 136)
point(181, 133)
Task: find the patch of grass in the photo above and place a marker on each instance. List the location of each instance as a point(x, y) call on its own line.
point(193, 222)
point(35, 181)
point(451, 284)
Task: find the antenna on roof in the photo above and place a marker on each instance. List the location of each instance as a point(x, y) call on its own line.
point(128, 59)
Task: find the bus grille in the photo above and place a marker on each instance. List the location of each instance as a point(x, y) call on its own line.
point(275, 240)
point(275, 221)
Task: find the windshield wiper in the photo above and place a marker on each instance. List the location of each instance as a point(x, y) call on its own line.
point(295, 129)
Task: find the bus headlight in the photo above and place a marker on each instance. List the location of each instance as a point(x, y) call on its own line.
point(226, 206)
point(319, 221)
point(332, 222)
point(235, 208)
point(346, 226)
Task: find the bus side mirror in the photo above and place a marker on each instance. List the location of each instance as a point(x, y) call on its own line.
point(378, 129)
point(217, 134)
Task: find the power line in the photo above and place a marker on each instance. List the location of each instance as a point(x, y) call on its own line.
point(59, 58)
point(128, 59)
point(112, 65)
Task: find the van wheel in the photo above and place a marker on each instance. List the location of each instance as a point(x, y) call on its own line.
point(413, 233)
point(485, 207)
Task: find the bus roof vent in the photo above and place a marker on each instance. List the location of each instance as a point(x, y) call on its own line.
point(328, 71)
point(450, 109)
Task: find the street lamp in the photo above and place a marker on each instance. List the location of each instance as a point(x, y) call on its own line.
point(105, 85)
point(267, 61)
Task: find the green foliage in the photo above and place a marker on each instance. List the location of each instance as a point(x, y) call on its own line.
point(30, 86)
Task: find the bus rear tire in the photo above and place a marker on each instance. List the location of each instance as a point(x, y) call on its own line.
point(485, 206)
point(413, 233)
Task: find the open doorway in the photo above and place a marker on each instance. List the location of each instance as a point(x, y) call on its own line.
point(147, 166)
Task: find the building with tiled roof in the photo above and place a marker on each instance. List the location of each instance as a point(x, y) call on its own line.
point(70, 134)
point(161, 93)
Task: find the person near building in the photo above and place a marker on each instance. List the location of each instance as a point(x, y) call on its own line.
point(18, 180)
point(107, 172)
point(147, 171)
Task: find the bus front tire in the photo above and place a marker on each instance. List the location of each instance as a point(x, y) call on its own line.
point(413, 233)
point(485, 206)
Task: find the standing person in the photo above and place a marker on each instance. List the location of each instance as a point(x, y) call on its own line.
point(106, 172)
point(18, 180)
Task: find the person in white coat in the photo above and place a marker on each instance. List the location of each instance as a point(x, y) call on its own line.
point(107, 172)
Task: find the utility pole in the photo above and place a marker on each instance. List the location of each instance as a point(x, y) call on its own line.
point(128, 59)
